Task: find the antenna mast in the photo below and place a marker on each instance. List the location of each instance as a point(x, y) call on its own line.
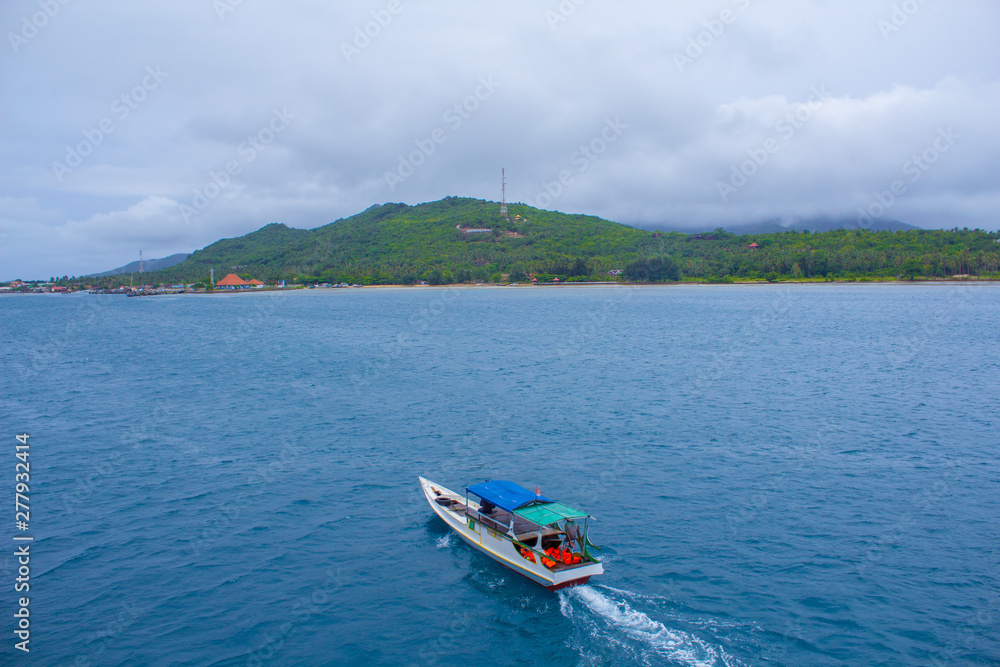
point(503, 192)
point(140, 261)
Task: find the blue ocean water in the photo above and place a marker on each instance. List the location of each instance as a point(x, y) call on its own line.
point(780, 475)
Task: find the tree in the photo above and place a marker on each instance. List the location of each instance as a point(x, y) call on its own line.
point(819, 265)
point(910, 269)
point(559, 268)
point(652, 270)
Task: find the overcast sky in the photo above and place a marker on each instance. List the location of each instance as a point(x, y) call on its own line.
point(166, 126)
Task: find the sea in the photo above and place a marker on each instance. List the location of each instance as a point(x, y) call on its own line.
point(778, 474)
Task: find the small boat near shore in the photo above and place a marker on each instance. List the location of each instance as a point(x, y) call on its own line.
point(539, 538)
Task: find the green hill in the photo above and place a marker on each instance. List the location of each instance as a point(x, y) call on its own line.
point(463, 240)
point(395, 243)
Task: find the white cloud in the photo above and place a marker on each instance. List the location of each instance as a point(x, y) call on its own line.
point(686, 127)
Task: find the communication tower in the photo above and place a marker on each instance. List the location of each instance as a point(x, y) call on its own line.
point(503, 192)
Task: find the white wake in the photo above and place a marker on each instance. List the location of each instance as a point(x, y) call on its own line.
point(612, 620)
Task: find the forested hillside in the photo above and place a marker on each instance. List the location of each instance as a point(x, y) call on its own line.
point(464, 240)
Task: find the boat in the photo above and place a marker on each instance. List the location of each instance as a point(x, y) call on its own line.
point(532, 535)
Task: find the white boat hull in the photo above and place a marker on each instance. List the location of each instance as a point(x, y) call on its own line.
point(500, 547)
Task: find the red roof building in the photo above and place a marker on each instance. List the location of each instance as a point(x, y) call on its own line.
point(232, 281)
point(753, 246)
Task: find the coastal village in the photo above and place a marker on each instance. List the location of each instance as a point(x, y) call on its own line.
point(231, 282)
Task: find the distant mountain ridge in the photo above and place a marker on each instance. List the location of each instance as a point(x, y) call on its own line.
point(395, 241)
point(282, 238)
point(780, 225)
point(147, 265)
point(464, 240)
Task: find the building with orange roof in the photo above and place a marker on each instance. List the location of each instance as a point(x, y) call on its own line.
point(232, 281)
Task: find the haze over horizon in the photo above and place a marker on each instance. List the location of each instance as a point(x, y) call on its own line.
point(169, 127)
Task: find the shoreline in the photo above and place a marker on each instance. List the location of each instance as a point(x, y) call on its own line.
point(616, 285)
point(466, 286)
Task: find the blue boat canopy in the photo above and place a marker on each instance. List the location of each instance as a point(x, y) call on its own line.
point(505, 495)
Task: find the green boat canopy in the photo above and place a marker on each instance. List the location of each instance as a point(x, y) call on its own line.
point(544, 514)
